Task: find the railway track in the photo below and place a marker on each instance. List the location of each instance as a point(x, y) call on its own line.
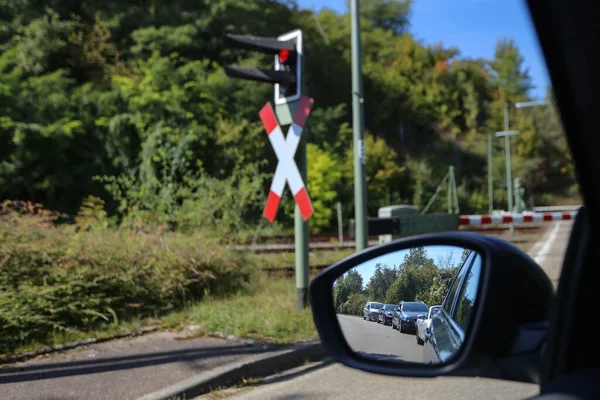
point(524, 235)
point(323, 242)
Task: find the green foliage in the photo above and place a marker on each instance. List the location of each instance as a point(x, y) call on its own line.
point(413, 283)
point(56, 280)
point(439, 286)
point(416, 277)
point(379, 284)
point(383, 174)
point(350, 283)
point(354, 305)
point(200, 202)
point(509, 77)
point(92, 214)
point(324, 183)
point(136, 94)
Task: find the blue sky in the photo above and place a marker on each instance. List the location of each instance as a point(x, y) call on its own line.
point(367, 269)
point(473, 26)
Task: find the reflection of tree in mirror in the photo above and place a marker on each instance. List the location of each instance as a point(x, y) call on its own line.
point(422, 279)
point(464, 255)
point(417, 274)
point(417, 277)
point(464, 311)
point(446, 261)
point(382, 279)
point(439, 286)
point(345, 286)
point(417, 256)
point(354, 305)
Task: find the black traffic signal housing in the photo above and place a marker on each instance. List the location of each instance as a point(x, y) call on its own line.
point(286, 74)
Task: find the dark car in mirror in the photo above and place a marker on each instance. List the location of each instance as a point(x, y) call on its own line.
point(386, 314)
point(405, 316)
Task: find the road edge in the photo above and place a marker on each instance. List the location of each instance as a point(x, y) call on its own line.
point(537, 246)
point(65, 347)
point(259, 366)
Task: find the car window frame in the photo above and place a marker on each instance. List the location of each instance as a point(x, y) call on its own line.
point(431, 311)
point(458, 281)
point(462, 288)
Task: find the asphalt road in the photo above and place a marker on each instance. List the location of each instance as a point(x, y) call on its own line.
point(379, 341)
point(549, 252)
point(338, 382)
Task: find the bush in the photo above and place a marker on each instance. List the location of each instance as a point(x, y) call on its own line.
point(354, 305)
point(56, 279)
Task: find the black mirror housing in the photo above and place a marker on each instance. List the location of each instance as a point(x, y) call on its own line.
point(510, 281)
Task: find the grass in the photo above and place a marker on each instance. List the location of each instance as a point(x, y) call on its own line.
point(265, 311)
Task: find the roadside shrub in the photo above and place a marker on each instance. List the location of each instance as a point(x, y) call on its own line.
point(53, 278)
point(354, 305)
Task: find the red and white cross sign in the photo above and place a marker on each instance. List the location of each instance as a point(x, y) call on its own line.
point(287, 170)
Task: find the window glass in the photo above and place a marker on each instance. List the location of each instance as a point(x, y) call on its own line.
point(468, 294)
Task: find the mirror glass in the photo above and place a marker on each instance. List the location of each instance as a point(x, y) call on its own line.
point(413, 305)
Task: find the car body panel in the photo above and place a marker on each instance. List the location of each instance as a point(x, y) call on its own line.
point(406, 320)
point(371, 310)
point(386, 313)
point(445, 336)
point(423, 324)
point(443, 339)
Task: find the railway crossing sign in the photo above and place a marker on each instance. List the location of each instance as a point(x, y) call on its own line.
point(287, 170)
point(292, 109)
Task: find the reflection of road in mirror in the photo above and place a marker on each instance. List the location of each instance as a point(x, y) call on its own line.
point(378, 341)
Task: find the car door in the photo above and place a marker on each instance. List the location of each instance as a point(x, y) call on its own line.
point(445, 336)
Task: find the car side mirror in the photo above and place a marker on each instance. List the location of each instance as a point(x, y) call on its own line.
point(470, 275)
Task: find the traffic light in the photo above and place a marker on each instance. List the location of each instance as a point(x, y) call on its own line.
point(286, 75)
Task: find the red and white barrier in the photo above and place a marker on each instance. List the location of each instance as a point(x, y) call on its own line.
point(515, 218)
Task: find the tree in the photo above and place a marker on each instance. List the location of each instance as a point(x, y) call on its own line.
point(136, 94)
point(417, 272)
point(465, 253)
point(382, 173)
point(439, 286)
point(354, 305)
point(349, 284)
point(324, 181)
point(417, 257)
point(447, 260)
point(509, 77)
point(386, 14)
point(413, 284)
point(380, 281)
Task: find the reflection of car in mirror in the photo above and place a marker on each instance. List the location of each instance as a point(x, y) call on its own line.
point(396, 289)
point(451, 272)
point(371, 310)
point(405, 316)
point(447, 327)
point(385, 314)
point(423, 324)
